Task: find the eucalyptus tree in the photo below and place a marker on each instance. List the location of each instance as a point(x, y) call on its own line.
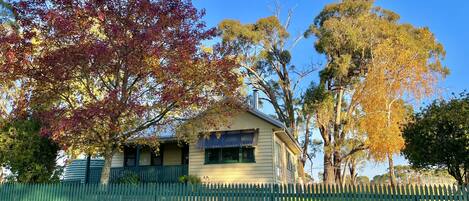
point(374, 64)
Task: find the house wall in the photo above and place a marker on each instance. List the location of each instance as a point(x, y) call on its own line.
point(287, 175)
point(171, 156)
point(259, 172)
point(118, 160)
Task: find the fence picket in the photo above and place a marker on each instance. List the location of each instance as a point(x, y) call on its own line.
point(228, 192)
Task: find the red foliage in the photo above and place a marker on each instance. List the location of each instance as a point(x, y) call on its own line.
point(105, 69)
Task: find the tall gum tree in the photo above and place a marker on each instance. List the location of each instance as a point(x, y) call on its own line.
point(374, 63)
point(263, 53)
point(115, 70)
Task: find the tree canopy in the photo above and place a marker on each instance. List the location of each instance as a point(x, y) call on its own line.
point(262, 50)
point(438, 136)
point(373, 64)
point(30, 157)
point(111, 71)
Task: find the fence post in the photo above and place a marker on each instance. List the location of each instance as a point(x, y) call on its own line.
point(272, 191)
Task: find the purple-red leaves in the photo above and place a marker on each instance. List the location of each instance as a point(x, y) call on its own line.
point(105, 71)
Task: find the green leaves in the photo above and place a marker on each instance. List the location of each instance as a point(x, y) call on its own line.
point(30, 156)
point(439, 136)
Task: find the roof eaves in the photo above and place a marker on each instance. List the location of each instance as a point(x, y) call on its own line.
point(273, 121)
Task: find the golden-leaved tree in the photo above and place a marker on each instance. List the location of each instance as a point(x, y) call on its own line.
point(374, 66)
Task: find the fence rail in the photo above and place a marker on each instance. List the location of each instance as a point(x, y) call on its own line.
point(226, 192)
point(152, 174)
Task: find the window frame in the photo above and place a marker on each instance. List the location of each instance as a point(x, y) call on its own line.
point(240, 151)
point(154, 156)
point(126, 156)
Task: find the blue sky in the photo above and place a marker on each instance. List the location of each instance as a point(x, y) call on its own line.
point(448, 20)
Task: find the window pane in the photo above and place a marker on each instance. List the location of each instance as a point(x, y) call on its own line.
point(248, 154)
point(212, 155)
point(278, 161)
point(156, 159)
point(230, 155)
point(130, 153)
point(130, 162)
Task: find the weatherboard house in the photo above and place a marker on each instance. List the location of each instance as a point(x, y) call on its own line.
point(256, 148)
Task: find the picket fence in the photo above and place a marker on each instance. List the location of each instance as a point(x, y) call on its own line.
point(226, 192)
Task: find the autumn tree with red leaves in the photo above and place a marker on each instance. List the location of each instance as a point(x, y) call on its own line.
point(106, 72)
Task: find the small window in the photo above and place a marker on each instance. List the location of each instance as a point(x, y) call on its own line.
point(278, 161)
point(290, 164)
point(212, 156)
point(156, 159)
point(248, 155)
point(229, 155)
point(130, 155)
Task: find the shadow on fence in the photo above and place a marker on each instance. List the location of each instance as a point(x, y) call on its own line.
point(225, 192)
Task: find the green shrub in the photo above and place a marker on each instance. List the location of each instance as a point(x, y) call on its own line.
point(129, 178)
point(191, 179)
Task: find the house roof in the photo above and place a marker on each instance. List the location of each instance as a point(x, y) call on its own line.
point(265, 117)
point(274, 122)
point(257, 113)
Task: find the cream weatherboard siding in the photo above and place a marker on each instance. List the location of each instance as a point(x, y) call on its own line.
point(286, 175)
point(172, 154)
point(118, 160)
point(259, 172)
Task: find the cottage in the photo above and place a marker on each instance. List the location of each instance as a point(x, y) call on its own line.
point(254, 149)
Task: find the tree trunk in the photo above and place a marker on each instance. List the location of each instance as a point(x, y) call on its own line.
point(353, 172)
point(344, 173)
point(1, 175)
point(337, 167)
point(337, 160)
point(392, 177)
point(105, 173)
point(328, 177)
point(304, 156)
point(466, 175)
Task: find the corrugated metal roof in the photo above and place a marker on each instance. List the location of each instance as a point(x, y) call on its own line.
point(76, 170)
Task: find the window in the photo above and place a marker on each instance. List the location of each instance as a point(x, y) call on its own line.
point(278, 161)
point(290, 165)
point(157, 160)
point(130, 155)
point(229, 155)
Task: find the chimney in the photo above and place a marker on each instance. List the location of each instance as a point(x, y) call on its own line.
point(255, 99)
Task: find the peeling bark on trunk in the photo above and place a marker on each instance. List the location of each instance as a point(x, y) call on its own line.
point(392, 177)
point(105, 173)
